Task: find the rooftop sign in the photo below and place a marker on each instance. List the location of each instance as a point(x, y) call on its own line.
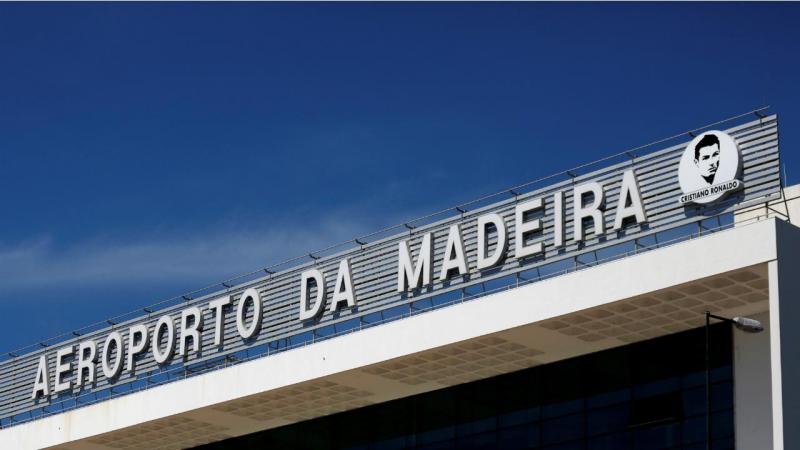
point(629, 200)
point(709, 168)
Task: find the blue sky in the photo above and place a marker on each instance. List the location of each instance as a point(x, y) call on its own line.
point(150, 149)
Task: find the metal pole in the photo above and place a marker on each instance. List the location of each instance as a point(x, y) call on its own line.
point(708, 384)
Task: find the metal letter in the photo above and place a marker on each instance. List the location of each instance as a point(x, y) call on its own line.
point(218, 306)
point(61, 367)
point(134, 347)
point(244, 331)
point(108, 370)
point(558, 219)
point(483, 243)
point(86, 362)
point(41, 386)
point(629, 190)
point(343, 290)
point(521, 228)
point(419, 275)
point(308, 311)
point(593, 211)
point(163, 357)
point(453, 253)
point(191, 330)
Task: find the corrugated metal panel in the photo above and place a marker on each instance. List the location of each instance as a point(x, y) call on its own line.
point(374, 265)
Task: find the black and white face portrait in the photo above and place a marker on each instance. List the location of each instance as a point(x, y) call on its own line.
point(706, 157)
point(708, 160)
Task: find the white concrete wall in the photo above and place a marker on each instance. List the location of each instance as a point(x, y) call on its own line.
point(784, 287)
point(785, 208)
point(752, 387)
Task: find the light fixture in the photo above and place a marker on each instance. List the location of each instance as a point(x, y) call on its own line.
point(747, 325)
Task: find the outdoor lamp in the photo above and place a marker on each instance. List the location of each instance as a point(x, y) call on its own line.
point(747, 325)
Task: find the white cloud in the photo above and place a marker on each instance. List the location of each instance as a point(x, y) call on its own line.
point(189, 261)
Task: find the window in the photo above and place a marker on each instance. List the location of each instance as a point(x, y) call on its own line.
point(647, 395)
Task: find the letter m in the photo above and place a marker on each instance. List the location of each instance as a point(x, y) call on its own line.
point(410, 276)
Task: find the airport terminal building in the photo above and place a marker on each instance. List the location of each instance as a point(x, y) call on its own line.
point(566, 313)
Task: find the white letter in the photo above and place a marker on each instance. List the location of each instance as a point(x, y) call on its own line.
point(308, 311)
point(166, 355)
point(86, 361)
point(41, 385)
point(521, 227)
point(61, 367)
point(629, 189)
point(343, 292)
point(422, 272)
point(134, 347)
point(580, 211)
point(483, 243)
point(244, 331)
point(453, 253)
point(191, 330)
point(218, 306)
point(558, 219)
point(108, 370)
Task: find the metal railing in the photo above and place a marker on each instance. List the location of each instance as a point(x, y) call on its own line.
point(365, 240)
point(171, 374)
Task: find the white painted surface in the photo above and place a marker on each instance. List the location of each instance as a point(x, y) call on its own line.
point(785, 208)
point(775, 357)
point(681, 263)
point(784, 315)
point(752, 387)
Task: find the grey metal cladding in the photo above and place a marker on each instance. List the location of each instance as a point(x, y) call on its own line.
point(374, 265)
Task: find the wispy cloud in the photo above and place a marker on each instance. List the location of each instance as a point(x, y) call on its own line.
point(191, 261)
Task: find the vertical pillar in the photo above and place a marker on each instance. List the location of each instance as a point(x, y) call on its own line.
point(753, 387)
point(784, 317)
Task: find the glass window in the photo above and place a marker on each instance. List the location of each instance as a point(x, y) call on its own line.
point(647, 395)
point(608, 420)
point(614, 441)
point(562, 429)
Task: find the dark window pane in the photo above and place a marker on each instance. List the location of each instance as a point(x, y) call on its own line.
point(723, 444)
point(618, 441)
point(562, 429)
point(724, 373)
point(651, 438)
point(447, 445)
point(694, 447)
point(484, 441)
point(575, 445)
point(722, 424)
point(657, 387)
point(518, 437)
point(609, 398)
point(562, 388)
point(694, 401)
point(694, 429)
point(656, 409)
point(722, 396)
point(518, 417)
point(397, 443)
point(610, 370)
point(476, 426)
point(608, 420)
point(425, 437)
point(562, 408)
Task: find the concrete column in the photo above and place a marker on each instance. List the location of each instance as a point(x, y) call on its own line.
point(784, 309)
point(752, 387)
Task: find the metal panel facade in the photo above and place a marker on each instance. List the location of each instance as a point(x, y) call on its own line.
point(374, 265)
